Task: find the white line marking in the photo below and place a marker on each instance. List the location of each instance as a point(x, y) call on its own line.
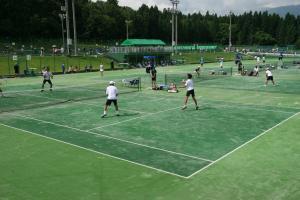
point(60, 87)
point(246, 107)
point(236, 149)
point(113, 138)
point(80, 102)
point(97, 152)
point(100, 127)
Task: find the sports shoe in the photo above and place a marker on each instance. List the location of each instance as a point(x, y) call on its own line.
point(184, 107)
point(117, 114)
point(50, 90)
point(197, 107)
point(42, 90)
point(104, 115)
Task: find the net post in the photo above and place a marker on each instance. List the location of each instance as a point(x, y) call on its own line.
point(231, 71)
point(165, 79)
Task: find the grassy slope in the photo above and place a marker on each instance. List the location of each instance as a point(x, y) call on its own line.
point(36, 168)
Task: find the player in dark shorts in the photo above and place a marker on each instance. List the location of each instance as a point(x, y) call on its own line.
point(189, 92)
point(1, 92)
point(153, 78)
point(112, 95)
point(197, 70)
point(47, 75)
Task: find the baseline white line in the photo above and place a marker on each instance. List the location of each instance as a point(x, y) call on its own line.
point(113, 138)
point(97, 152)
point(236, 149)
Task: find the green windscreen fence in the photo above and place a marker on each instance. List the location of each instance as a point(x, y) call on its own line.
point(30, 98)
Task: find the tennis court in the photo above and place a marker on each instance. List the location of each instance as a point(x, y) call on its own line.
point(152, 130)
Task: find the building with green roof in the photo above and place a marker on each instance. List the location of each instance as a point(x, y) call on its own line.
point(138, 52)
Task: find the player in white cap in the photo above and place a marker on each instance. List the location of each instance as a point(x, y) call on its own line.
point(112, 96)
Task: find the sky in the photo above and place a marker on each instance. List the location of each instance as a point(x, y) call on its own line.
point(220, 7)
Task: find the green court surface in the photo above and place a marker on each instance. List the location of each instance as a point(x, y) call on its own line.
point(153, 150)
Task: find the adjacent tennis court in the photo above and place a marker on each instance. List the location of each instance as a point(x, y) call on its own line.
point(152, 130)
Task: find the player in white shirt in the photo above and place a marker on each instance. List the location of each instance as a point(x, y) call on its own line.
point(112, 97)
point(221, 62)
point(269, 77)
point(101, 69)
point(189, 91)
point(47, 75)
point(258, 60)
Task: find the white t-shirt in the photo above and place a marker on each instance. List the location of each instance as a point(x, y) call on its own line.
point(189, 85)
point(47, 75)
point(258, 59)
point(112, 92)
point(269, 73)
point(256, 69)
point(101, 68)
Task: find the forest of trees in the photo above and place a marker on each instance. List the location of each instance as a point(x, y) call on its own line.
point(105, 21)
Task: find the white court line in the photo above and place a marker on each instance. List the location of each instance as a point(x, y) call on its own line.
point(97, 152)
point(113, 138)
point(100, 127)
point(246, 107)
point(241, 104)
point(39, 89)
point(80, 102)
point(236, 149)
point(214, 105)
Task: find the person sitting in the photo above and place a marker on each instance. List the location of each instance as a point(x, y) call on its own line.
point(172, 88)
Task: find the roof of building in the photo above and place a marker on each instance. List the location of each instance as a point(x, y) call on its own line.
point(143, 42)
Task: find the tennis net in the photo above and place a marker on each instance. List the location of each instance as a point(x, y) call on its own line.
point(33, 98)
point(203, 75)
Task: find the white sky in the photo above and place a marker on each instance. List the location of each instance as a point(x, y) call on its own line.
point(214, 6)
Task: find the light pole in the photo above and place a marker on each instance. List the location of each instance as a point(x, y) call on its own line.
point(74, 27)
point(127, 27)
point(62, 17)
point(174, 25)
point(69, 42)
point(230, 43)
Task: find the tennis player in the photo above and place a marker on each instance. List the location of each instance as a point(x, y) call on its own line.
point(197, 70)
point(269, 77)
point(190, 91)
point(153, 78)
point(47, 75)
point(112, 96)
point(101, 69)
point(1, 92)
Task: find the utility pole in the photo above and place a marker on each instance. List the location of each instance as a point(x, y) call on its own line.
point(174, 24)
point(74, 27)
point(127, 28)
point(62, 17)
point(68, 27)
point(230, 43)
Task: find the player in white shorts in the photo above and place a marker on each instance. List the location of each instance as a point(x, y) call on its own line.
point(112, 97)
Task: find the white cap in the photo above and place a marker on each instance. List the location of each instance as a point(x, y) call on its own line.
point(111, 82)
